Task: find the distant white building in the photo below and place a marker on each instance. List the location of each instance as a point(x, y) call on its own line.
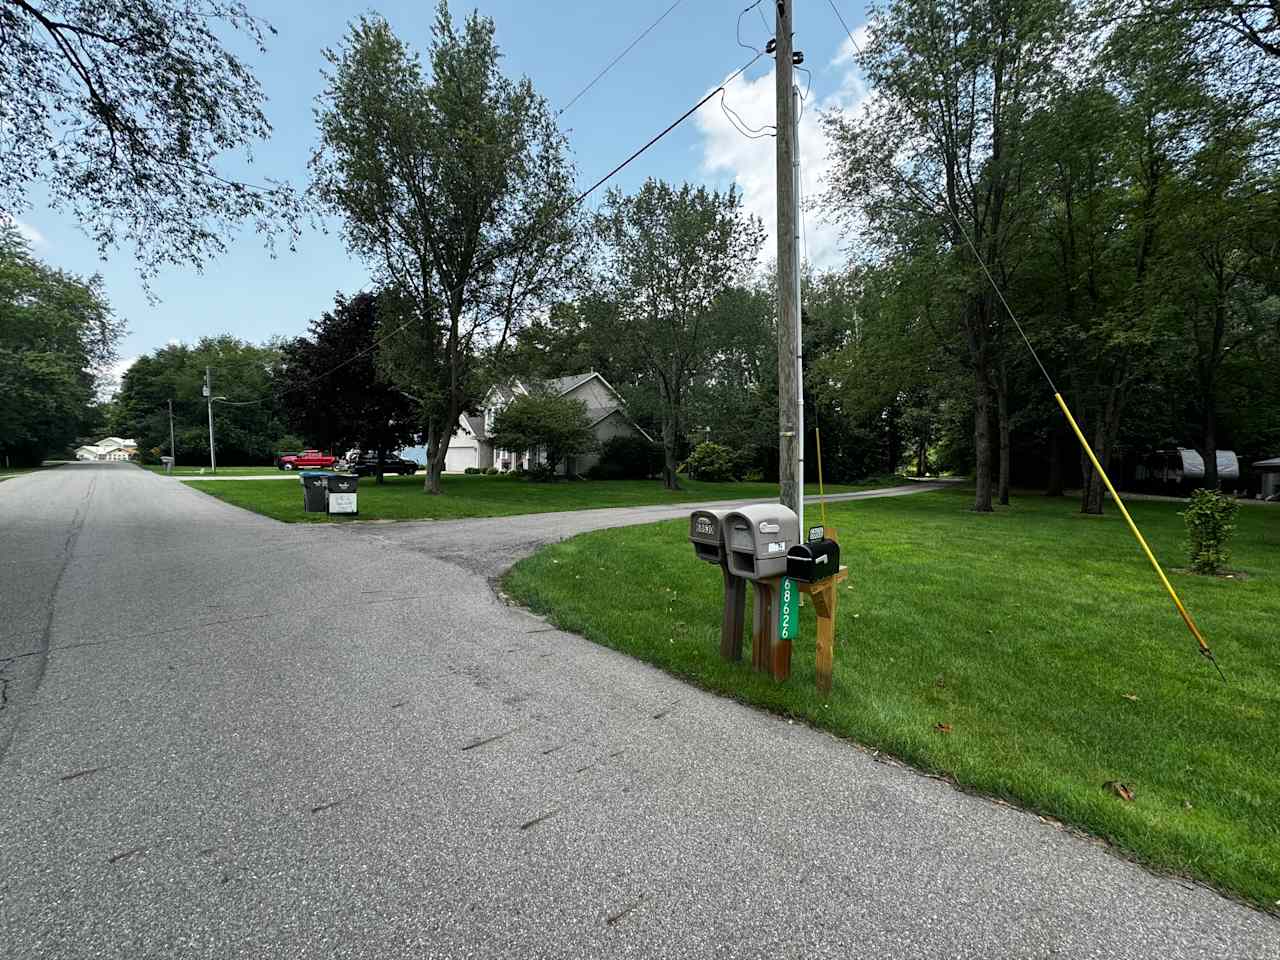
point(108, 448)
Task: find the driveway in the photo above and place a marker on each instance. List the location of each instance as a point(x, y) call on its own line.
point(227, 736)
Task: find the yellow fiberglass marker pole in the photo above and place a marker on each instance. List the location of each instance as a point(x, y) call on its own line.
point(1173, 594)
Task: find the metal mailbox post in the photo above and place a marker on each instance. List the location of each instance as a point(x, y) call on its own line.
point(757, 539)
point(761, 544)
point(706, 533)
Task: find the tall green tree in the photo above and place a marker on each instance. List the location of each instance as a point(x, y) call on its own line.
point(248, 424)
point(56, 329)
point(124, 110)
point(943, 145)
point(337, 394)
point(453, 182)
point(671, 255)
point(1218, 285)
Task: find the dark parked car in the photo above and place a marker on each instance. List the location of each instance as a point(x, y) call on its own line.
point(366, 465)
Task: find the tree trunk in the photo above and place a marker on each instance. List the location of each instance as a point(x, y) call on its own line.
point(1210, 440)
point(894, 444)
point(435, 467)
point(982, 441)
point(1002, 408)
point(922, 459)
point(669, 452)
point(1055, 488)
point(431, 449)
point(382, 459)
point(1091, 497)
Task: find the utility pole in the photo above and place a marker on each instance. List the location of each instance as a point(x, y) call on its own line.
point(208, 395)
point(790, 412)
point(172, 456)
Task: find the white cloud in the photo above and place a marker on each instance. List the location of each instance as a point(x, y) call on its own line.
point(109, 377)
point(752, 163)
point(844, 56)
point(28, 232)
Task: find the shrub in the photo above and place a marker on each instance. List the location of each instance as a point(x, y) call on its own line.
point(711, 462)
point(627, 458)
point(471, 471)
point(491, 472)
point(542, 472)
point(1209, 519)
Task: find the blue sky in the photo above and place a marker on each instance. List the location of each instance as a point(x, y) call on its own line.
point(560, 45)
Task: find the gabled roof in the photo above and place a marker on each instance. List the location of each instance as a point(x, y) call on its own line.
point(1273, 462)
point(562, 385)
point(597, 415)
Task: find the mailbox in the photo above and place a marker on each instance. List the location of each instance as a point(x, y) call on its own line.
point(706, 533)
point(757, 539)
point(813, 561)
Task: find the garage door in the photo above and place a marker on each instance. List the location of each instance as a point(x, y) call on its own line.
point(457, 459)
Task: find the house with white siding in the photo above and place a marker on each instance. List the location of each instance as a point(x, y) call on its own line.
point(470, 445)
point(108, 448)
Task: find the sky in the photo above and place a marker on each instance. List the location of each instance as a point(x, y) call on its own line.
point(560, 45)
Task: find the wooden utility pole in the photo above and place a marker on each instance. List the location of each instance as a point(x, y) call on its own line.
point(172, 456)
point(208, 393)
point(790, 428)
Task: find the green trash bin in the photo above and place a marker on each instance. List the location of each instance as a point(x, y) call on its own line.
point(315, 490)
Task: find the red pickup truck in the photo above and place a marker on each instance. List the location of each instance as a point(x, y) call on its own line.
point(306, 460)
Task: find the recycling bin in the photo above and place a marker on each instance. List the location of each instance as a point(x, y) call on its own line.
point(315, 490)
point(341, 489)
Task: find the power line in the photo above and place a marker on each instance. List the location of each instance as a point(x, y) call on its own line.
point(613, 62)
point(744, 128)
point(671, 126)
point(745, 10)
point(533, 233)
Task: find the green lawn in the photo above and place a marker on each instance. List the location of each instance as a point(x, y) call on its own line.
point(1042, 638)
point(180, 471)
point(401, 498)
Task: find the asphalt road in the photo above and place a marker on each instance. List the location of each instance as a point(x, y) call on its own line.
point(228, 737)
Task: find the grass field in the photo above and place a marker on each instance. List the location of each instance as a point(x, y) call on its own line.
point(401, 498)
point(180, 471)
point(1041, 638)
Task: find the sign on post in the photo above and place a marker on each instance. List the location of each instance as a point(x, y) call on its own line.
point(788, 609)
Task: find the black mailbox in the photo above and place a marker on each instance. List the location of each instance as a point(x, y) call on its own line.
point(813, 561)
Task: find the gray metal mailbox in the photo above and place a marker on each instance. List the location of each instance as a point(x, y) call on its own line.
point(757, 539)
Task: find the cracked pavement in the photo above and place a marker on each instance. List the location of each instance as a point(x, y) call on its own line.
point(227, 736)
